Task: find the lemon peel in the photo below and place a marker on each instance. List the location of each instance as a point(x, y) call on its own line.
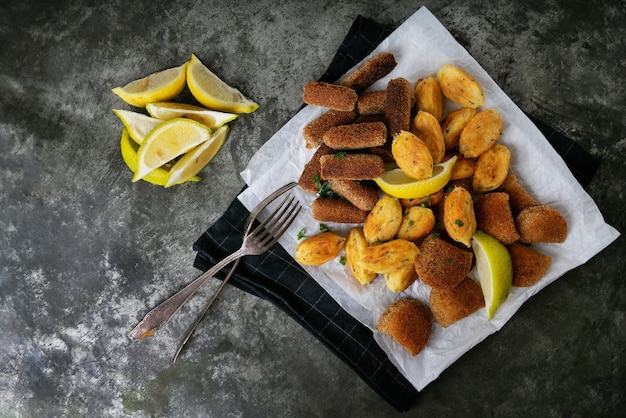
point(195, 160)
point(397, 184)
point(170, 110)
point(495, 270)
point(168, 141)
point(129, 149)
point(214, 93)
point(160, 86)
point(137, 124)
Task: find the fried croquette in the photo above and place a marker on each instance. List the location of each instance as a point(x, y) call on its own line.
point(332, 96)
point(356, 136)
point(408, 322)
point(351, 166)
point(541, 223)
point(372, 103)
point(398, 106)
point(529, 265)
point(313, 132)
point(327, 209)
point(451, 305)
point(360, 194)
point(369, 72)
point(493, 215)
point(310, 177)
point(441, 264)
point(519, 198)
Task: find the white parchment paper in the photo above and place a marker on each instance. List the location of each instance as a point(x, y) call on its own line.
point(421, 45)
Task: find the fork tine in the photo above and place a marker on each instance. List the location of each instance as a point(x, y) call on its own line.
point(280, 229)
point(266, 226)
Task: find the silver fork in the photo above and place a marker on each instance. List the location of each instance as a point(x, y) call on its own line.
point(251, 217)
point(256, 242)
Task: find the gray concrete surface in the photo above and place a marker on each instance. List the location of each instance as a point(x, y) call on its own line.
point(84, 252)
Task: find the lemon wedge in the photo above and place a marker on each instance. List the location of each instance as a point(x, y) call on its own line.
point(170, 110)
point(159, 86)
point(214, 93)
point(138, 124)
point(495, 270)
point(167, 141)
point(397, 184)
point(129, 149)
point(195, 160)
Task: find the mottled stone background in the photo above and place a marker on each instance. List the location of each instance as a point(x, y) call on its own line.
point(84, 253)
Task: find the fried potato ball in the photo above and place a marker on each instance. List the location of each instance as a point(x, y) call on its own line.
point(412, 155)
point(481, 132)
point(319, 249)
point(491, 169)
point(399, 280)
point(452, 125)
point(458, 86)
point(355, 248)
point(417, 221)
point(384, 220)
point(389, 256)
point(458, 216)
point(428, 96)
point(426, 127)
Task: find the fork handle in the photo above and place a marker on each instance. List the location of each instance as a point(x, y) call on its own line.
point(163, 312)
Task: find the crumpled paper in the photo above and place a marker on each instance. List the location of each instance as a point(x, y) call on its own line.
point(421, 45)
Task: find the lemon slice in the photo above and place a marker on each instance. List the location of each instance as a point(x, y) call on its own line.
point(129, 149)
point(170, 110)
point(195, 160)
point(159, 86)
point(397, 184)
point(167, 141)
point(213, 93)
point(138, 124)
point(495, 270)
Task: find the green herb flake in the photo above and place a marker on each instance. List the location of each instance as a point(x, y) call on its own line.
point(342, 260)
point(301, 234)
point(458, 222)
point(324, 228)
point(340, 154)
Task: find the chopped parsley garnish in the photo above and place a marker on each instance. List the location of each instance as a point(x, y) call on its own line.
point(324, 228)
point(323, 188)
point(340, 154)
point(301, 233)
point(458, 222)
point(342, 260)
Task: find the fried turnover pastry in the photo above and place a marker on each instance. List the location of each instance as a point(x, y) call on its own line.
point(351, 166)
point(332, 96)
point(313, 132)
point(369, 72)
point(356, 136)
point(441, 264)
point(529, 265)
point(494, 216)
point(408, 322)
point(326, 209)
point(312, 170)
point(398, 106)
point(360, 194)
point(450, 305)
point(541, 223)
point(519, 198)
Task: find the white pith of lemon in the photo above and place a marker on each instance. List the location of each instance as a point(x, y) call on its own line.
point(160, 86)
point(129, 149)
point(195, 160)
point(214, 93)
point(138, 124)
point(397, 184)
point(170, 110)
point(167, 141)
point(495, 270)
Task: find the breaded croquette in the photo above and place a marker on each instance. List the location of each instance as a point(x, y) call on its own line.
point(398, 106)
point(351, 166)
point(451, 305)
point(519, 198)
point(529, 265)
point(327, 209)
point(493, 216)
point(541, 223)
point(384, 152)
point(441, 264)
point(332, 96)
point(313, 132)
point(369, 72)
point(311, 174)
point(356, 136)
point(360, 194)
point(408, 322)
point(372, 103)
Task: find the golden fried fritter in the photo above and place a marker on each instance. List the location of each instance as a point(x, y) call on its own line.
point(529, 265)
point(441, 264)
point(458, 215)
point(493, 216)
point(541, 223)
point(451, 305)
point(408, 322)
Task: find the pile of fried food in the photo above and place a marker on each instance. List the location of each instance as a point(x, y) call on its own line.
point(364, 133)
